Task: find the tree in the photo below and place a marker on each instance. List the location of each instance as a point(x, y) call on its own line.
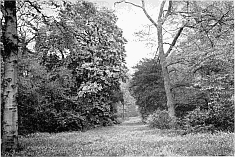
point(14, 42)
point(147, 87)
point(10, 82)
point(205, 59)
point(162, 55)
point(75, 71)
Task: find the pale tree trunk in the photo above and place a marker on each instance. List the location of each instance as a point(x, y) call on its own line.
point(10, 86)
point(162, 55)
point(166, 77)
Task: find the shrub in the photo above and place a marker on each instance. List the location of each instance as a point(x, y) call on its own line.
point(160, 119)
point(218, 117)
point(197, 117)
point(68, 121)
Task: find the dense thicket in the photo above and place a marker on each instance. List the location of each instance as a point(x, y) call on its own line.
point(72, 79)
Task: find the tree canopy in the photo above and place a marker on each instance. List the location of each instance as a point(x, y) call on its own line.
point(70, 79)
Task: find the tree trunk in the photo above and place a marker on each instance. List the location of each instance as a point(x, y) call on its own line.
point(162, 55)
point(10, 86)
point(166, 77)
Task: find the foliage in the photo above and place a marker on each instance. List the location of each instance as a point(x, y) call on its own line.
point(204, 63)
point(220, 112)
point(72, 81)
point(160, 119)
point(147, 87)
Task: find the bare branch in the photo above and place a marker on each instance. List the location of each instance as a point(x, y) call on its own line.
point(156, 56)
point(174, 41)
point(123, 1)
point(118, 2)
point(38, 10)
point(177, 62)
point(146, 13)
point(181, 84)
point(172, 70)
point(167, 43)
point(134, 5)
point(168, 11)
point(161, 11)
point(175, 70)
point(142, 7)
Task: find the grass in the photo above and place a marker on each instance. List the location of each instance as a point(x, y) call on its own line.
point(131, 138)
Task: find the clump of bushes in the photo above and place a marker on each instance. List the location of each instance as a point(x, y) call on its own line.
point(56, 114)
point(160, 119)
point(217, 118)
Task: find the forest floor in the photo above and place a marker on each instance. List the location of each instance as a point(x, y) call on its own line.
point(131, 138)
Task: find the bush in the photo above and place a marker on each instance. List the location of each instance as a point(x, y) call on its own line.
point(160, 119)
point(218, 117)
point(197, 117)
point(68, 121)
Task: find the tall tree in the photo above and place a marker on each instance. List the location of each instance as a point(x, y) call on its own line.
point(10, 86)
point(162, 55)
point(162, 17)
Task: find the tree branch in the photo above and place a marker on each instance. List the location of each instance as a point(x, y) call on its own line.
point(176, 62)
point(38, 10)
point(178, 85)
point(174, 41)
point(168, 11)
point(161, 11)
point(146, 13)
point(142, 7)
point(127, 3)
point(156, 56)
point(134, 5)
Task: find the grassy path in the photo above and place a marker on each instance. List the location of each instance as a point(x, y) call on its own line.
point(131, 138)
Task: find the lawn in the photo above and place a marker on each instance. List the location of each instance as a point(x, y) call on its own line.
point(131, 138)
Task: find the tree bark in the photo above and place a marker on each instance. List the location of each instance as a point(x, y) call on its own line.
point(10, 86)
point(166, 77)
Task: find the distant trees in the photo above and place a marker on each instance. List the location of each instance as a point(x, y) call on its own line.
point(129, 101)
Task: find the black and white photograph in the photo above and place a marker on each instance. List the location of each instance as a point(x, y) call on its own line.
point(117, 78)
